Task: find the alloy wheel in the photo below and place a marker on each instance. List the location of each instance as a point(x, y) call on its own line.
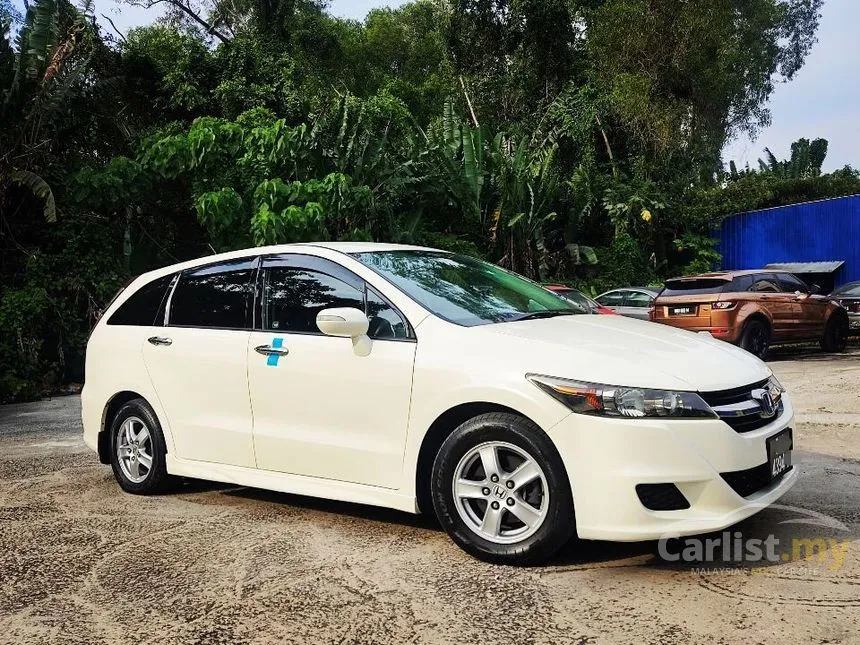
point(134, 449)
point(500, 492)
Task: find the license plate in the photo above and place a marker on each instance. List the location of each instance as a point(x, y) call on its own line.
point(779, 453)
point(682, 311)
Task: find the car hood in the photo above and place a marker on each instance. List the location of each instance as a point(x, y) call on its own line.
point(616, 350)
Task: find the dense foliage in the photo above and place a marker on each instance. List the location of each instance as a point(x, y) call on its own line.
point(573, 140)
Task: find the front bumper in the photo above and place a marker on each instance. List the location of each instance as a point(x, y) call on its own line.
point(607, 458)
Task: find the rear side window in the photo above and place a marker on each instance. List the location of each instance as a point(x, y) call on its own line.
point(145, 307)
point(218, 296)
point(741, 283)
point(694, 287)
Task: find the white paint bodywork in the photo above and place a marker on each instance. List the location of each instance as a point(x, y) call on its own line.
point(329, 422)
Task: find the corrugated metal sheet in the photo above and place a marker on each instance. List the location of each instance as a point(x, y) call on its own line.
point(820, 231)
point(807, 267)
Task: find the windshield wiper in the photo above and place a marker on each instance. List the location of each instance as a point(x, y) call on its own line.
point(547, 313)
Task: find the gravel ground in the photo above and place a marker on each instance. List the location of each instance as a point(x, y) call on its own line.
point(82, 562)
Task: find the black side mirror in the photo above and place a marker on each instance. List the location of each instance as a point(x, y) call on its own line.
point(814, 289)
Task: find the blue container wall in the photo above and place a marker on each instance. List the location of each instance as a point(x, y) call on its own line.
point(810, 232)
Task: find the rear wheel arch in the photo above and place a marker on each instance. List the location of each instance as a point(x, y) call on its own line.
point(759, 316)
point(109, 413)
point(440, 429)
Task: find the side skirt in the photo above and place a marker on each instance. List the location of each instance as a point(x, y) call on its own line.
point(295, 484)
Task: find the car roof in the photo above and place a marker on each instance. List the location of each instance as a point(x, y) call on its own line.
point(728, 275)
point(645, 289)
point(368, 247)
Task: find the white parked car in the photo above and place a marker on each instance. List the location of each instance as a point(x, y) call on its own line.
point(430, 382)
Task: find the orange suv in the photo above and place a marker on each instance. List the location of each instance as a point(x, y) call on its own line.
point(754, 309)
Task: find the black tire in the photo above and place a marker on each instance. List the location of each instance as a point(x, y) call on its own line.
point(551, 533)
point(154, 479)
point(835, 337)
point(755, 338)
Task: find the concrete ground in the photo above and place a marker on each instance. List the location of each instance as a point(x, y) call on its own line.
point(82, 562)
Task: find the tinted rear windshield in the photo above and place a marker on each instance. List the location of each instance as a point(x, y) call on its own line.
point(693, 287)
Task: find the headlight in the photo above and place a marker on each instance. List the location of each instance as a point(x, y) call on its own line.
point(619, 401)
point(775, 388)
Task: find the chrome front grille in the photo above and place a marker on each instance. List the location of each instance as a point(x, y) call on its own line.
point(745, 408)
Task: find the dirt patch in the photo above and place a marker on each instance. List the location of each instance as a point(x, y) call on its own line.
point(83, 562)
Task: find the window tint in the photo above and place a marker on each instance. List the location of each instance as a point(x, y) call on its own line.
point(145, 307)
point(385, 321)
point(578, 299)
point(293, 297)
point(637, 299)
point(741, 283)
point(790, 283)
point(851, 289)
point(694, 286)
point(765, 284)
point(611, 299)
point(461, 289)
point(217, 296)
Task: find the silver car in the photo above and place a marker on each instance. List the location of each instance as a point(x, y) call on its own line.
point(848, 295)
point(634, 302)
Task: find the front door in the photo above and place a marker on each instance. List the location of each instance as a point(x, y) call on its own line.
point(780, 305)
point(320, 408)
point(198, 363)
point(809, 310)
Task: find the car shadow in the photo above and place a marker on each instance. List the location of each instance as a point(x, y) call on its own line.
point(812, 354)
point(813, 523)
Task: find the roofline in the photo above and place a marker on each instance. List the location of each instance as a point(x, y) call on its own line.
point(773, 208)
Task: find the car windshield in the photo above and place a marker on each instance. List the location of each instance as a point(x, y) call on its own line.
point(585, 303)
point(464, 290)
point(852, 289)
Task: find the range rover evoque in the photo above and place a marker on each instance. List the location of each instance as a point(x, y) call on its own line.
point(426, 381)
point(754, 309)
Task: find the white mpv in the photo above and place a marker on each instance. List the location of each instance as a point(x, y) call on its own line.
point(426, 381)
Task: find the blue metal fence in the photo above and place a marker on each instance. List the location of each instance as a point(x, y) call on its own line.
point(809, 232)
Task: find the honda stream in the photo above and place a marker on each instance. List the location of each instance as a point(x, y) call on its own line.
point(430, 382)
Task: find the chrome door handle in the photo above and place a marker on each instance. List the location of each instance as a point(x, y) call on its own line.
point(159, 340)
point(268, 350)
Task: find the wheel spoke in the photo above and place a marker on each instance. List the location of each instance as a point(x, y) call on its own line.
point(525, 512)
point(490, 461)
point(492, 522)
point(134, 467)
point(526, 472)
point(129, 438)
point(469, 489)
point(142, 436)
point(145, 460)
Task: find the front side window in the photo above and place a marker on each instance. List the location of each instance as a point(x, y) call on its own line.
point(385, 321)
point(464, 290)
point(217, 296)
point(765, 284)
point(145, 307)
point(293, 297)
point(791, 284)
